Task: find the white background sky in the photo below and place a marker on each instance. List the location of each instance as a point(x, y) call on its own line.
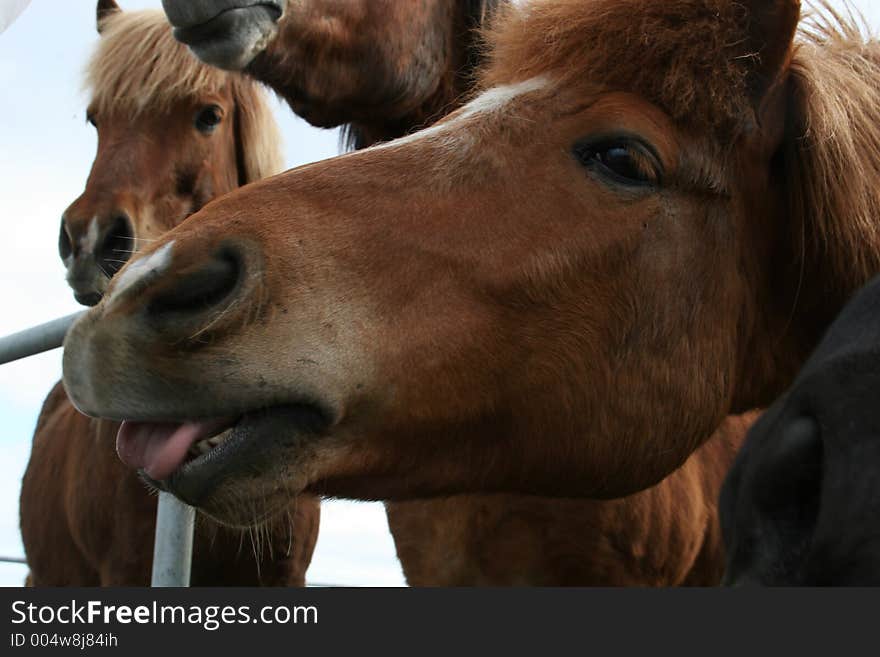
point(46, 150)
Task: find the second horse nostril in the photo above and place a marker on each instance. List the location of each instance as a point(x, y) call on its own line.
point(65, 248)
point(117, 246)
point(203, 288)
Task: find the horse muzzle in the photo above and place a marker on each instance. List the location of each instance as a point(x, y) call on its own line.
point(86, 281)
point(247, 470)
point(227, 34)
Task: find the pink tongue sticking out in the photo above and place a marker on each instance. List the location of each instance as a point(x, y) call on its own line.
point(161, 447)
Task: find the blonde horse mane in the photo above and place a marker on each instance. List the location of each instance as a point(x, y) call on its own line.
point(139, 67)
point(836, 156)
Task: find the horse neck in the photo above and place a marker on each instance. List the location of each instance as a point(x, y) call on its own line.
point(391, 108)
point(454, 88)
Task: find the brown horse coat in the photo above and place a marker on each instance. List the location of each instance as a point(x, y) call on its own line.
point(667, 535)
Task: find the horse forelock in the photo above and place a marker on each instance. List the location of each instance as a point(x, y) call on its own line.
point(677, 54)
point(138, 66)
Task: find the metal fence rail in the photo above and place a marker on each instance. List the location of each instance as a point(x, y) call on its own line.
point(172, 555)
point(13, 560)
point(36, 339)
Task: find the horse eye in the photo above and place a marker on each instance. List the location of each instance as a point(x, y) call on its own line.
point(208, 118)
point(623, 161)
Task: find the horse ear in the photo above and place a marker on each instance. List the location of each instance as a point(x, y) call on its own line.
point(769, 43)
point(105, 8)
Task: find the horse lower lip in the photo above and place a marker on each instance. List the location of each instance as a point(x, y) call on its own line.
point(218, 27)
point(252, 442)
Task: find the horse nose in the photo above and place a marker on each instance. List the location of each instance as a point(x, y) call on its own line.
point(116, 245)
point(111, 246)
point(93, 251)
point(198, 290)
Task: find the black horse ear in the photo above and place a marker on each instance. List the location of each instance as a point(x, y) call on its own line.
point(105, 8)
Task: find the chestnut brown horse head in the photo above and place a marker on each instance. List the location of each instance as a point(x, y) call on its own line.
point(641, 225)
point(172, 134)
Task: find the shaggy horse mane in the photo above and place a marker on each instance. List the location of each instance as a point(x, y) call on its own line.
point(689, 58)
point(139, 67)
point(835, 155)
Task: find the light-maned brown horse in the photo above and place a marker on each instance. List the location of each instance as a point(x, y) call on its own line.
point(172, 134)
point(387, 69)
point(640, 226)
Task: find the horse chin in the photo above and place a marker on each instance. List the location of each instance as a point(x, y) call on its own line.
point(232, 38)
point(248, 477)
point(89, 298)
point(88, 287)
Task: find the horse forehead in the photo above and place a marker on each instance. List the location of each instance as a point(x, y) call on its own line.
point(142, 149)
point(494, 100)
point(500, 96)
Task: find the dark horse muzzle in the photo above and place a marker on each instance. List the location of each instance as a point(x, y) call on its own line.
point(224, 33)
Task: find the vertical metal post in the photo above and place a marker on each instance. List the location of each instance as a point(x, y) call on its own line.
point(172, 550)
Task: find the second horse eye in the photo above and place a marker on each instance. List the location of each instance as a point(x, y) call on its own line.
point(207, 119)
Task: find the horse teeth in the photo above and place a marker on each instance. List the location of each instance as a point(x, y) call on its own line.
point(205, 445)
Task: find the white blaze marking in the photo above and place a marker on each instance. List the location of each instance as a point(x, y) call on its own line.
point(491, 100)
point(153, 264)
point(496, 98)
point(89, 241)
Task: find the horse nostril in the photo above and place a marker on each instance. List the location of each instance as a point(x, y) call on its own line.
point(202, 289)
point(65, 248)
point(117, 246)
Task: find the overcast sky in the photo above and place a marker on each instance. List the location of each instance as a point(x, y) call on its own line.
point(46, 150)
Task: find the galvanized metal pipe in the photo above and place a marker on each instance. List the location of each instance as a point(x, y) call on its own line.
point(172, 549)
point(35, 340)
point(20, 560)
